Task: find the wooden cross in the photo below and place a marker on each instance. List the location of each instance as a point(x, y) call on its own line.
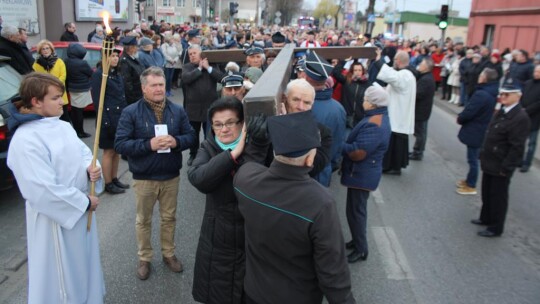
point(266, 95)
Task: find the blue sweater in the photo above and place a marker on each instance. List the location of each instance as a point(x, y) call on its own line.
point(136, 129)
point(368, 140)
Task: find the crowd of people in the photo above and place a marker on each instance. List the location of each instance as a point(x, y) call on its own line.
point(270, 231)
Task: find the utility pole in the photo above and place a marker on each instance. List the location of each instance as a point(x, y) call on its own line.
point(219, 11)
point(204, 8)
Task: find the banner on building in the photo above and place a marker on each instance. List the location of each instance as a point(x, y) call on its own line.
point(22, 14)
point(90, 10)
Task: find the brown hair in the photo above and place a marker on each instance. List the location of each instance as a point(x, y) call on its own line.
point(36, 85)
point(351, 70)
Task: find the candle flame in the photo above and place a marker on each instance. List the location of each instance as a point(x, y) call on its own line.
point(105, 15)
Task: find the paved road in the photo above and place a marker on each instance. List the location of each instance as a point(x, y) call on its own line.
point(422, 247)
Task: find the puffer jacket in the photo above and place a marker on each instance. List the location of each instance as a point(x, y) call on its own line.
point(220, 258)
point(364, 150)
point(475, 117)
point(78, 70)
point(136, 129)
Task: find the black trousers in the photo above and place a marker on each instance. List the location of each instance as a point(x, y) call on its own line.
point(197, 127)
point(65, 115)
point(77, 118)
point(357, 217)
point(420, 133)
point(494, 201)
point(397, 155)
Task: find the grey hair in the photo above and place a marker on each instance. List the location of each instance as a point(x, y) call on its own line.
point(9, 30)
point(154, 71)
point(491, 74)
point(403, 57)
point(195, 46)
point(232, 66)
point(429, 63)
point(302, 84)
point(295, 161)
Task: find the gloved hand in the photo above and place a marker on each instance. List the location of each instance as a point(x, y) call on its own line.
point(256, 128)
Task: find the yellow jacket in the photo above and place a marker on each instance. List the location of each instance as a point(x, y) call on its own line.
point(58, 70)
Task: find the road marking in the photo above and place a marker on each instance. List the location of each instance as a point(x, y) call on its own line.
point(394, 260)
point(377, 196)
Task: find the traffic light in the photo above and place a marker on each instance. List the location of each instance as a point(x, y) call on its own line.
point(211, 12)
point(138, 7)
point(443, 17)
point(233, 8)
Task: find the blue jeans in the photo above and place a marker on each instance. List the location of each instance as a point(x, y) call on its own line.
point(531, 148)
point(169, 72)
point(324, 176)
point(463, 97)
point(472, 159)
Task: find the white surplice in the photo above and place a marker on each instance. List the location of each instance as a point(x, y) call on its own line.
point(49, 162)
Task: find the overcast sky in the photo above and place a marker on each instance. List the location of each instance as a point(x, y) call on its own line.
point(463, 6)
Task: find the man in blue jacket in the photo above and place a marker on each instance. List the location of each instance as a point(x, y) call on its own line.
point(474, 120)
point(152, 133)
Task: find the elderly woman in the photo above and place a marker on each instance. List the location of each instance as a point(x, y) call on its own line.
point(98, 36)
point(48, 62)
point(172, 56)
point(220, 259)
point(363, 153)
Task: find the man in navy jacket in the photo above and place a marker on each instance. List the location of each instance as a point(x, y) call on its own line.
point(155, 160)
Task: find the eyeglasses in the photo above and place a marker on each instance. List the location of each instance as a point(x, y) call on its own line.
point(219, 126)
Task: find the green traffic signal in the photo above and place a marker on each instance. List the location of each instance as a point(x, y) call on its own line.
point(443, 24)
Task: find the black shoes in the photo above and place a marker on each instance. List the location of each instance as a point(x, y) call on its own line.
point(356, 256)
point(113, 189)
point(190, 160)
point(119, 184)
point(392, 172)
point(349, 245)
point(478, 222)
point(487, 233)
point(83, 135)
point(415, 156)
point(524, 169)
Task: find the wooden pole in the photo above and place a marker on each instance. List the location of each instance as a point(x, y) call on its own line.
point(106, 51)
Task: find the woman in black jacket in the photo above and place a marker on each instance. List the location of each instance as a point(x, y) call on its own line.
point(354, 84)
point(114, 103)
point(78, 85)
point(220, 259)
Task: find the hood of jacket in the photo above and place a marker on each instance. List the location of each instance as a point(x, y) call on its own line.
point(325, 94)
point(18, 117)
point(76, 50)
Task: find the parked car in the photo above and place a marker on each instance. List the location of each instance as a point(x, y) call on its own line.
point(11, 80)
point(93, 56)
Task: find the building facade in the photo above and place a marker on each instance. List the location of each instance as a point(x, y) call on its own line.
point(502, 24)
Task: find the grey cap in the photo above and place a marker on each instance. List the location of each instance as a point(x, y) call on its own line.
point(376, 95)
point(145, 41)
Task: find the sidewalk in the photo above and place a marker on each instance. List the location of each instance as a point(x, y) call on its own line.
point(455, 110)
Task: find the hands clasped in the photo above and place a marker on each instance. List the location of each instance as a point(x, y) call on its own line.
point(163, 142)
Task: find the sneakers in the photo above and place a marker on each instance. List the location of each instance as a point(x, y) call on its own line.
point(173, 263)
point(119, 184)
point(461, 183)
point(113, 189)
point(466, 190)
point(143, 271)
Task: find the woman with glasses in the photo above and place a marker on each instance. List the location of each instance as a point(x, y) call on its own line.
point(48, 62)
point(220, 259)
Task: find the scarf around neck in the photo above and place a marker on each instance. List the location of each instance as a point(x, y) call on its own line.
point(47, 63)
point(230, 146)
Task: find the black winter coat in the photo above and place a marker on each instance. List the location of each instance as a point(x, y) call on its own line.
point(472, 76)
point(425, 90)
point(69, 36)
point(464, 66)
point(131, 70)
point(19, 59)
point(477, 113)
point(531, 102)
point(114, 101)
point(521, 72)
point(352, 94)
point(199, 90)
point(503, 148)
point(78, 70)
point(220, 258)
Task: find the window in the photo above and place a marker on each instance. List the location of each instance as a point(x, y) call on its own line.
point(166, 2)
point(149, 3)
point(181, 3)
point(489, 33)
point(196, 3)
